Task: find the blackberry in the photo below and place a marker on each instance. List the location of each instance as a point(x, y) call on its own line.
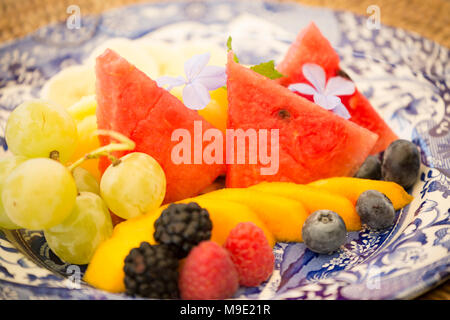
point(183, 226)
point(151, 271)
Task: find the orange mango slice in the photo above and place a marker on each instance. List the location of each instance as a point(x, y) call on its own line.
point(216, 112)
point(351, 188)
point(226, 214)
point(284, 217)
point(314, 199)
point(105, 271)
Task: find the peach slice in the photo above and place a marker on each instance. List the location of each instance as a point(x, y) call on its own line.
point(353, 187)
point(315, 199)
point(284, 217)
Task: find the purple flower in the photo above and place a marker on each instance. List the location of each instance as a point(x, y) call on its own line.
point(325, 93)
point(200, 79)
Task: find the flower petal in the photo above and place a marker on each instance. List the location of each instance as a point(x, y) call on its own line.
point(302, 88)
point(342, 111)
point(339, 86)
point(212, 77)
point(327, 102)
point(316, 75)
point(170, 82)
point(196, 96)
point(195, 65)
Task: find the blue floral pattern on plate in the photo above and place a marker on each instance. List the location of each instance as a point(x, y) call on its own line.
point(405, 76)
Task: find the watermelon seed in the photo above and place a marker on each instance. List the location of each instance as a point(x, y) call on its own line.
point(284, 114)
point(343, 74)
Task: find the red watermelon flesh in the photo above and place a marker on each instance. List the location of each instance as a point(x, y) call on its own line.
point(131, 103)
point(311, 46)
point(313, 143)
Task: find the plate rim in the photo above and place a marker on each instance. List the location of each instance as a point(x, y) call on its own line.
point(5, 44)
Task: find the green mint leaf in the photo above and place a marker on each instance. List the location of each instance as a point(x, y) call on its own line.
point(229, 43)
point(267, 69)
point(230, 49)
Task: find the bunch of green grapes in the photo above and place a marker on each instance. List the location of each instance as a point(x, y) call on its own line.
point(39, 190)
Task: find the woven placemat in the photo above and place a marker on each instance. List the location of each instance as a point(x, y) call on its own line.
point(430, 18)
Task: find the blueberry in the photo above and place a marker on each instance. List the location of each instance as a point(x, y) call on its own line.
point(324, 231)
point(375, 210)
point(401, 163)
point(370, 169)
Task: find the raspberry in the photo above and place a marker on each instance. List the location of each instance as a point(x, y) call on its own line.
point(208, 273)
point(251, 253)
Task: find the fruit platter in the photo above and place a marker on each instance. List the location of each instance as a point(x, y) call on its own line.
point(230, 153)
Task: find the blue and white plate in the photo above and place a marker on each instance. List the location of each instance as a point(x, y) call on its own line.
point(405, 76)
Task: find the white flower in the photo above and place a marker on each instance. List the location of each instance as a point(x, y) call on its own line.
point(325, 93)
point(200, 79)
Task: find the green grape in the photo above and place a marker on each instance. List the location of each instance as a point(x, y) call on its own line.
point(85, 181)
point(78, 236)
point(134, 186)
point(37, 128)
point(39, 194)
point(7, 164)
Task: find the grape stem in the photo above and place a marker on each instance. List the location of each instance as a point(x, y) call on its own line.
point(123, 144)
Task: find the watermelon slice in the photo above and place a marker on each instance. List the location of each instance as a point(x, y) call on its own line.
point(131, 103)
point(313, 142)
point(312, 47)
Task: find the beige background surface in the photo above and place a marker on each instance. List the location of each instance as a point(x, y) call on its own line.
point(430, 18)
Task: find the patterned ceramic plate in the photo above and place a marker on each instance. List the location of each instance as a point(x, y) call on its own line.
point(405, 76)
